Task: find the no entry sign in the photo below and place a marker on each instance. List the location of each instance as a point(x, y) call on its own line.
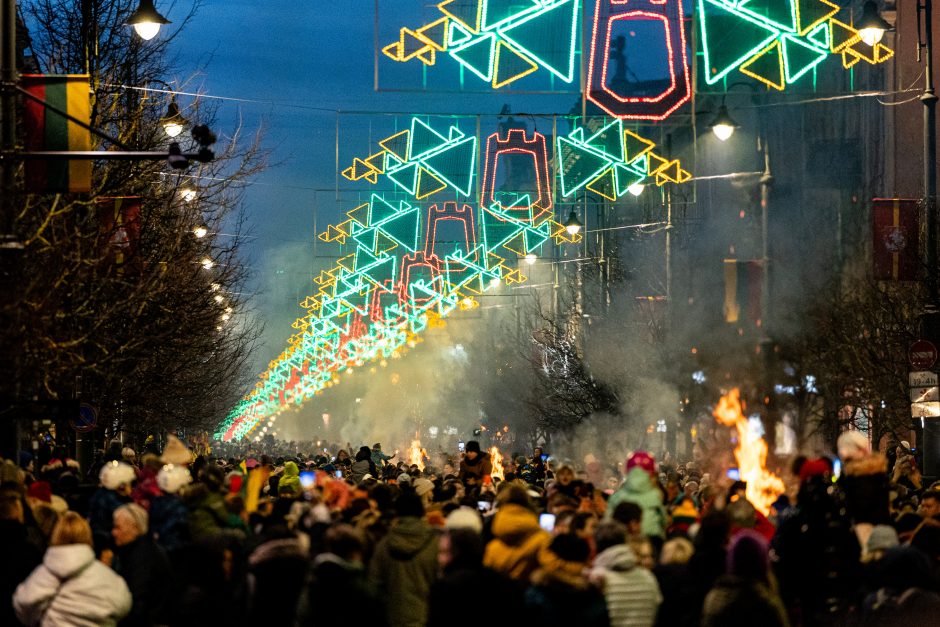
point(922, 355)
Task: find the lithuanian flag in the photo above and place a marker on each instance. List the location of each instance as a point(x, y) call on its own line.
point(48, 130)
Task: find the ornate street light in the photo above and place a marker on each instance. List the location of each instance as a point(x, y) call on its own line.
point(723, 125)
point(146, 20)
point(573, 225)
point(871, 26)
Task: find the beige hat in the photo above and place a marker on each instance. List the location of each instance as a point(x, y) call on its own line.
point(175, 452)
point(422, 486)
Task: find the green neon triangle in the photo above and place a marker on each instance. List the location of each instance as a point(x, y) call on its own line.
point(403, 228)
point(497, 230)
point(579, 166)
point(458, 34)
point(477, 55)
point(534, 238)
point(549, 36)
point(455, 164)
point(626, 177)
point(820, 36)
point(812, 12)
point(729, 39)
point(799, 57)
point(496, 12)
point(776, 13)
point(424, 139)
point(406, 177)
point(366, 239)
point(609, 140)
point(382, 210)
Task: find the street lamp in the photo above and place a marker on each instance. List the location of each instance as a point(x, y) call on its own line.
point(723, 125)
point(146, 20)
point(871, 26)
point(173, 122)
point(636, 189)
point(200, 232)
point(573, 225)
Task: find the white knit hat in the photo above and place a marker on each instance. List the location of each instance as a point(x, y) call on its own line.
point(172, 478)
point(115, 474)
point(464, 518)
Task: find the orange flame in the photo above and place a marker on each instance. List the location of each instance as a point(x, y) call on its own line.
point(497, 459)
point(763, 487)
point(416, 454)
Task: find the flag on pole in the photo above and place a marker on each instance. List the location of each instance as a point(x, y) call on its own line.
point(48, 130)
point(119, 221)
point(895, 234)
point(743, 286)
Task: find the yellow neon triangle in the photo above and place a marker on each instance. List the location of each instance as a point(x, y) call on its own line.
point(428, 184)
point(393, 51)
point(777, 82)
point(499, 78)
point(402, 155)
point(604, 185)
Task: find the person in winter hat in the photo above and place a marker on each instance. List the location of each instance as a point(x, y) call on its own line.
point(143, 565)
point(476, 466)
point(168, 524)
point(404, 564)
point(71, 587)
point(631, 591)
point(117, 482)
point(745, 596)
point(639, 488)
point(518, 540)
point(561, 594)
point(864, 482)
point(175, 452)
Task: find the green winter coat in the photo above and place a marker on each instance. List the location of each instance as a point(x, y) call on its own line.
point(403, 568)
point(638, 488)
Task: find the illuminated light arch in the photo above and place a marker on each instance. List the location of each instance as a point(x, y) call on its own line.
point(517, 141)
point(396, 283)
point(639, 107)
point(499, 41)
point(777, 42)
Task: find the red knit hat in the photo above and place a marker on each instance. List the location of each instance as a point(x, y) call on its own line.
point(41, 491)
point(814, 468)
point(643, 460)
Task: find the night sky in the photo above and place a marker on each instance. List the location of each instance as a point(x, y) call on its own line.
point(303, 61)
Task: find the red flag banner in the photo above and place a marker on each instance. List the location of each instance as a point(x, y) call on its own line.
point(119, 221)
point(743, 286)
point(49, 130)
point(895, 234)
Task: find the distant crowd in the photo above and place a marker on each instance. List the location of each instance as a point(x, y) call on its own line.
point(327, 535)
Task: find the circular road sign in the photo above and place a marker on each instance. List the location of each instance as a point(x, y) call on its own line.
point(922, 355)
point(86, 420)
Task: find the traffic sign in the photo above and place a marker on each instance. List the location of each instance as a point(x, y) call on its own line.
point(930, 409)
point(923, 394)
point(922, 355)
point(922, 379)
point(86, 420)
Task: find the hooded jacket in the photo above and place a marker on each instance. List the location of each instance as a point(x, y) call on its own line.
point(72, 588)
point(631, 591)
point(403, 568)
point(517, 542)
point(638, 488)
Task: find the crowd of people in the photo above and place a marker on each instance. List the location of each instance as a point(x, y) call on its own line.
point(362, 537)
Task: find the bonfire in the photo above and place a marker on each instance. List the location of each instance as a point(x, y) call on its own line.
point(763, 486)
point(497, 459)
point(416, 454)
